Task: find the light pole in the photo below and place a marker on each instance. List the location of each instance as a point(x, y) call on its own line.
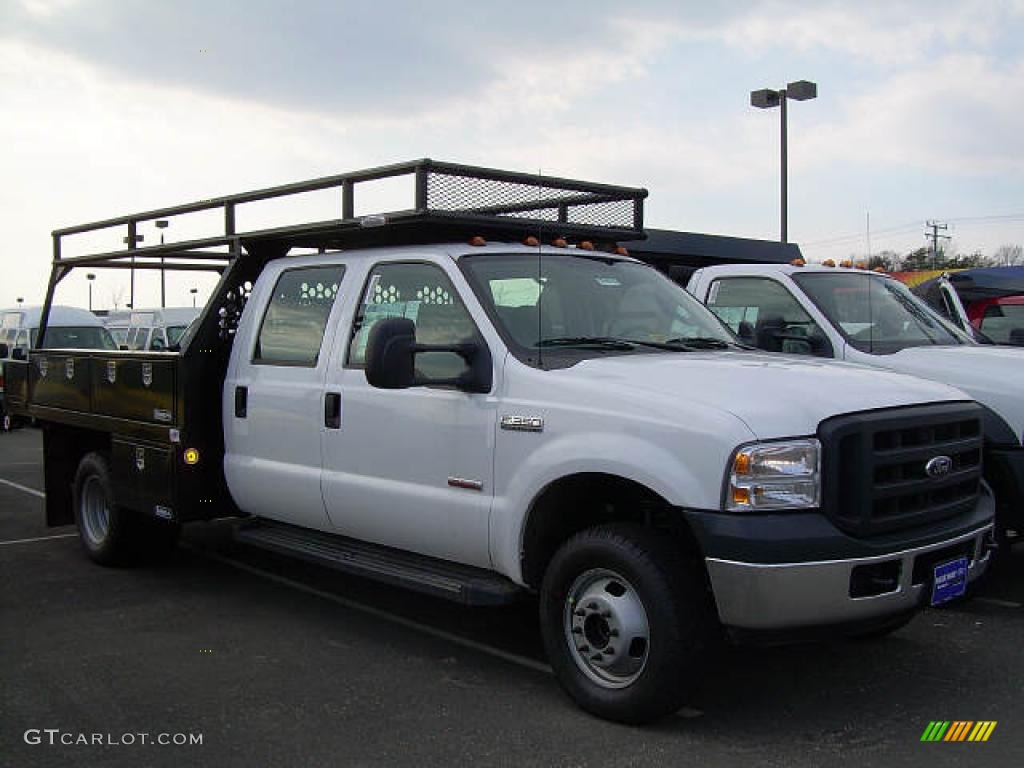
point(801, 90)
point(162, 225)
point(193, 291)
point(90, 277)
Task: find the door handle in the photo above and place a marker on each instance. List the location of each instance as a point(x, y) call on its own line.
point(332, 410)
point(241, 402)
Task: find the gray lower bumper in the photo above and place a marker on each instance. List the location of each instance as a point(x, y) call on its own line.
point(788, 595)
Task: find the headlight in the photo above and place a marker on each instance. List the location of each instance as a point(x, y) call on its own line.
point(775, 476)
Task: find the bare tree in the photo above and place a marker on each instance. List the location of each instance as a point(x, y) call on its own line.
point(1008, 255)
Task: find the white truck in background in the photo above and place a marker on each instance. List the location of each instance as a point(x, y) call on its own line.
point(483, 397)
point(872, 319)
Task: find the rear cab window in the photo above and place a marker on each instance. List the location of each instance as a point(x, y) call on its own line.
point(295, 320)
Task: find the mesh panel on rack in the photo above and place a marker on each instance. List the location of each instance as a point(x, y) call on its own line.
point(453, 192)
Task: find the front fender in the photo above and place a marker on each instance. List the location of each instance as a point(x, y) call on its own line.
point(663, 471)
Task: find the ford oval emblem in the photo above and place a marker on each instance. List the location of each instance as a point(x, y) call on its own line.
point(940, 466)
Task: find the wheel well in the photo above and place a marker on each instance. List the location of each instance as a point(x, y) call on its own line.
point(63, 449)
point(573, 503)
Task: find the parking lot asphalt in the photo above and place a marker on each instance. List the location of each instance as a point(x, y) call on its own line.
point(274, 662)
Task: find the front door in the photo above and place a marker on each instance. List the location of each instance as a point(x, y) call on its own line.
point(273, 399)
point(411, 468)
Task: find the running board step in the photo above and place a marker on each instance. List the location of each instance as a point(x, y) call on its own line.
point(451, 581)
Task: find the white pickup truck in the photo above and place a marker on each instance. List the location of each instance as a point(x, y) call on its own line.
point(873, 319)
point(479, 420)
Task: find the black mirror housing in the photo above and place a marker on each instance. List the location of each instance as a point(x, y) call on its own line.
point(391, 353)
point(19, 353)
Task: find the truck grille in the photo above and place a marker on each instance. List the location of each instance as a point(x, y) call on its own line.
point(883, 470)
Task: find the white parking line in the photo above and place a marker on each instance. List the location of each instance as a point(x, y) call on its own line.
point(522, 661)
point(39, 538)
point(25, 488)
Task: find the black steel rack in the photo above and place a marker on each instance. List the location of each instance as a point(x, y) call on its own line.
point(450, 202)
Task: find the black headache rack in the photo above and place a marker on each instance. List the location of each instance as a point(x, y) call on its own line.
point(449, 202)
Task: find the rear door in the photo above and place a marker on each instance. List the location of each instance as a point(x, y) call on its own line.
point(273, 396)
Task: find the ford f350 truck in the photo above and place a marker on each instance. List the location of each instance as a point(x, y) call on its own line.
point(482, 396)
point(873, 319)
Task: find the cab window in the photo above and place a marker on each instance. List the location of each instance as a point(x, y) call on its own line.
point(424, 294)
point(293, 325)
point(766, 315)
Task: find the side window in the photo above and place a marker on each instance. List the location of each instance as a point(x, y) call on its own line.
point(424, 294)
point(763, 313)
point(296, 317)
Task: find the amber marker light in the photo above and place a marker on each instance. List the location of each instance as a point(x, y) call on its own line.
point(740, 495)
point(742, 464)
point(477, 241)
point(586, 245)
point(797, 263)
point(828, 263)
point(191, 456)
point(559, 242)
point(621, 250)
point(531, 241)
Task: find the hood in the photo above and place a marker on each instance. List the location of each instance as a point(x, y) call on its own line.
point(774, 395)
point(994, 376)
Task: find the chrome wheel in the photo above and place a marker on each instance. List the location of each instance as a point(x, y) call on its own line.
point(95, 514)
point(606, 628)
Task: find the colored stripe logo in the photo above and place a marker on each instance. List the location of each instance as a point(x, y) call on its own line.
point(958, 730)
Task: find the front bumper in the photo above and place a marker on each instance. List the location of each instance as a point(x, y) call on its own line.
point(788, 595)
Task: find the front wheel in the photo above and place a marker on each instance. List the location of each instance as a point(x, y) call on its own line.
point(626, 620)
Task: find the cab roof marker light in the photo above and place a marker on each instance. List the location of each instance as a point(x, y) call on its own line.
point(585, 245)
point(797, 263)
point(559, 242)
point(828, 263)
point(846, 264)
point(621, 250)
point(477, 241)
point(531, 241)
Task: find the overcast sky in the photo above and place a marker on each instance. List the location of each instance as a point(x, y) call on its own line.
point(112, 107)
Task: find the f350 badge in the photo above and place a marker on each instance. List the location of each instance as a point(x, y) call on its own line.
point(147, 373)
point(69, 368)
point(44, 366)
point(112, 371)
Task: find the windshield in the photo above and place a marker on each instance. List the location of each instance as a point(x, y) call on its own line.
point(589, 302)
point(75, 337)
point(875, 314)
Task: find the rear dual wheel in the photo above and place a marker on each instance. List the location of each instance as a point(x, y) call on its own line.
point(627, 622)
point(112, 535)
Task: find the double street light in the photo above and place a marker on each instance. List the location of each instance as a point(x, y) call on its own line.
point(766, 98)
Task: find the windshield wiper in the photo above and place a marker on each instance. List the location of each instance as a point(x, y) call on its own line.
point(604, 342)
point(700, 342)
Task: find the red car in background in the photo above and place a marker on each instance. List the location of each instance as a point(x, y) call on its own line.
point(987, 303)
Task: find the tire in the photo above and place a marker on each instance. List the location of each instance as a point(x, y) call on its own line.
point(623, 581)
point(112, 535)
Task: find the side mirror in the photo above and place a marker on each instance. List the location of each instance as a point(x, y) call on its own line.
point(746, 333)
point(19, 353)
point(391, 359)
point(390, 354)
point(5, 350)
